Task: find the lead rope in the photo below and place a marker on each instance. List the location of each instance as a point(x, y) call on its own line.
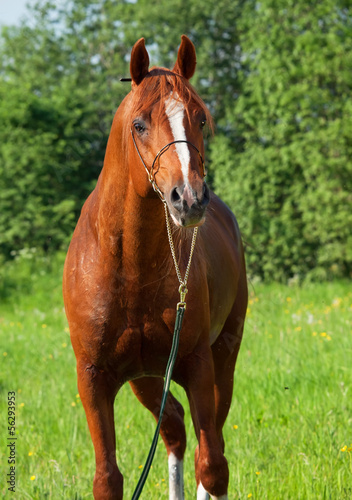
point(183, 282)
point(180, 311)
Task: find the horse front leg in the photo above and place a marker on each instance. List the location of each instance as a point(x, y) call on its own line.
point(212, 473)
point(149, 392)
point(97, 392)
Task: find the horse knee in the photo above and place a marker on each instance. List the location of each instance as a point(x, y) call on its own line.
point(212, 472)
point(173, 432)
point(108, 485)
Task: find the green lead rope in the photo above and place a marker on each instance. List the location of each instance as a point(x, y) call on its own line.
point(168, 374)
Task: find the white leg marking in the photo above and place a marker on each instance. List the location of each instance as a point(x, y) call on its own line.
point(203, 495)
point(175, 112)
point(175, 478)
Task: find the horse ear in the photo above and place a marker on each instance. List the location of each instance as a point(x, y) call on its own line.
point(186, 58)
point(139, 64)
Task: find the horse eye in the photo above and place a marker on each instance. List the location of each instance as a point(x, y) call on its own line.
point(139, 127)
point(203, 123)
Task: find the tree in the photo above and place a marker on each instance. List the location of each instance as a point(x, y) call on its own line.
point(285, 164)
point(275, 74)
point(59, 88)
point(58, 91)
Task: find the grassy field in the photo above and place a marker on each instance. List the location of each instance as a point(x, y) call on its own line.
point(289, 432)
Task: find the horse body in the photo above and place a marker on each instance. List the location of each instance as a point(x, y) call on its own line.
point(121, 289)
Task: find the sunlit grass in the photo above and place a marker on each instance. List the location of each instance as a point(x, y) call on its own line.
point(288, 434)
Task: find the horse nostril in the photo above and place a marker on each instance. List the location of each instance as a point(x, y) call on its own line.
point(175, 197)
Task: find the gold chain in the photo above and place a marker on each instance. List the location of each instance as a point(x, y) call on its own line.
point(183, 282)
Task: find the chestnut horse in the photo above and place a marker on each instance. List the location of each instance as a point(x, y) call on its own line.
point(121, 288)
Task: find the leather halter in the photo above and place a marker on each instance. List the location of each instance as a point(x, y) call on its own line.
point(150, 173)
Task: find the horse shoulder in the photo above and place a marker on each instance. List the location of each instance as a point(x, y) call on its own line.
point(223, 253)
point(223, 225)
point(83, 272)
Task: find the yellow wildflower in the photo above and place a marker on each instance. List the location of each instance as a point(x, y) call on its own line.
point(336, 302)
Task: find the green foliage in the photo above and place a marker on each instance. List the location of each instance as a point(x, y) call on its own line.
point(59, 88)
point(58, 91)
point(275, 74)
point(286, 167)
point(30, 271)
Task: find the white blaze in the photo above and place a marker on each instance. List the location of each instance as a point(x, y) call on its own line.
point(175, 112)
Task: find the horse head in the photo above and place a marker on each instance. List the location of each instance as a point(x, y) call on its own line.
point(166, 120)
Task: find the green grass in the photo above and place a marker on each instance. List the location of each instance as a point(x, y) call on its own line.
point(288, 434)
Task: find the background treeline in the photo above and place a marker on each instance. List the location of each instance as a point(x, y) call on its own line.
point(276, 74)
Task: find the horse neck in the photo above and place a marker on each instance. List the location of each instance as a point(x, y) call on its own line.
point(144, 233)
point(131, 228)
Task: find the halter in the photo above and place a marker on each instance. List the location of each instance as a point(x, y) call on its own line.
point(150, 173)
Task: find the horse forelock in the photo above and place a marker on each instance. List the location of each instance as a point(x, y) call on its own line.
point(158, 86)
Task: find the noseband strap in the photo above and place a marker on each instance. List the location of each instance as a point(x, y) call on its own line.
point(150, 173)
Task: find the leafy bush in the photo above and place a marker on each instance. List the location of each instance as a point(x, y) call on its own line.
point(59, 89)
point(275, 74)
point(286, 167)
point(56, 108)
point(31, 271)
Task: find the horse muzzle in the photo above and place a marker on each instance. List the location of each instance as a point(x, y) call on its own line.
point(187, 205)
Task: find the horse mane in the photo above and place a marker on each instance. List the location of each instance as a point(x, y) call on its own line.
point(157, 86)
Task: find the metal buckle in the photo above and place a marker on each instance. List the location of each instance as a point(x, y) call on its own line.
point(183, 290)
